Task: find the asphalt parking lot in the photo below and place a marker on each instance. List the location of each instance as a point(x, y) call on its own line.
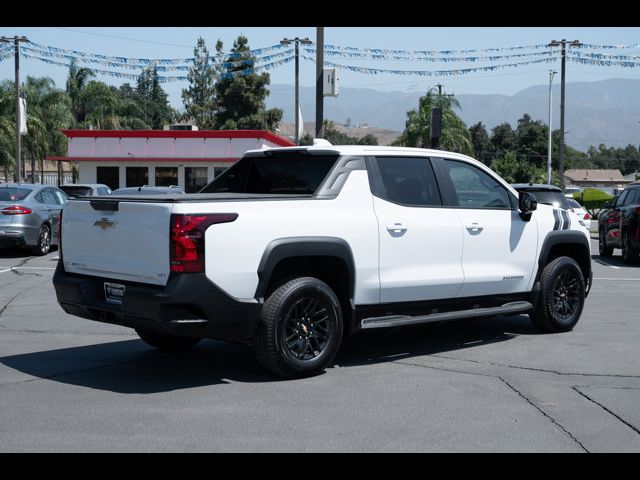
point(68, 384)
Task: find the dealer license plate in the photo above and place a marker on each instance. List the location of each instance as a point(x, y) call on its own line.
point(113, 292)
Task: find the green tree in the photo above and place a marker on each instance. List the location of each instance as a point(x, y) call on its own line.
point(512, 169)
point(531, 138)
point(101, 106)
point(199, 98)
point(7, 129)
point(481, 142)
point(153, 99)
point(76, 83)
point(241, 97)
point(503, 140)
point(454, 136)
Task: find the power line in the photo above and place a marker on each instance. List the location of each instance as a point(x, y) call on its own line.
point(125, 38)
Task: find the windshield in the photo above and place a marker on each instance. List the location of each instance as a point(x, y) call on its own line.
point(555, 198)
point(290, 174)
point(76, 191)
point(13, 194)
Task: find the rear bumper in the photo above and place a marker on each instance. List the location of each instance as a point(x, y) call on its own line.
point(12, 239)
point(189, 305)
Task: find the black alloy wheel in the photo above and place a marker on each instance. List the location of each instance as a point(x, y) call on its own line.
point(566, 295)
point(300, 329)
point(561, 298)
point(306, 327)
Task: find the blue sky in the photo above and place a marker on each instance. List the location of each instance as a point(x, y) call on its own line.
point(178, 42)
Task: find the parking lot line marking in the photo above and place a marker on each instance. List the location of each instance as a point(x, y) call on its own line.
point(7, 270)
point(33, 268)
point(618, 279)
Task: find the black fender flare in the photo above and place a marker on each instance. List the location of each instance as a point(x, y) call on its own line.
point(288, 247)
point(566, 237)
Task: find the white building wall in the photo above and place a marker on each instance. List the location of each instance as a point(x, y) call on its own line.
point(88, 173)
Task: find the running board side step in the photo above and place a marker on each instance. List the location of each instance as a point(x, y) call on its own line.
point(402, 320)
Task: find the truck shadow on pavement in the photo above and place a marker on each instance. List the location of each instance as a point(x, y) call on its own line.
point(132, 367)
point(15, 252)
point(614, 261)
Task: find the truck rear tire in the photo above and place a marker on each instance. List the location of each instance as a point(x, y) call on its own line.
point(561, 299)
point(168, 343)
point(300, 328)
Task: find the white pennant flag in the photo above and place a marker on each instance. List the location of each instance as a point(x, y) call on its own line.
point(300, 122)
point(23, 116)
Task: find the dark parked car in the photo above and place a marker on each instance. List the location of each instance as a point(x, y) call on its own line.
point(619, 224)
point(146, 190)
point(29, 215)
point(75, 190)
point(549, 194)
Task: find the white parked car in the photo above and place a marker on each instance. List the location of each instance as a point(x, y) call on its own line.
point(291, 250)
point(576, 208)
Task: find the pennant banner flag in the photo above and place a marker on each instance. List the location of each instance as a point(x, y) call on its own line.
point(606, 47)
point(159, 68)
point(166, 79)
point(432, 73)
point(380, 56)
point(381, 51)
point(148, 61)
point(603, 63)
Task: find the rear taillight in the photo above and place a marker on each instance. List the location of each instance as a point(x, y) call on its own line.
point(586, 217)
point(187, 239)
point(16, 210)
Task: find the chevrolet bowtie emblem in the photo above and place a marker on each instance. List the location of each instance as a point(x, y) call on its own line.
point(104, 224)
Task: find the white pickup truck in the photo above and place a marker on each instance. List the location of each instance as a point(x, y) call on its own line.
point(292, 250)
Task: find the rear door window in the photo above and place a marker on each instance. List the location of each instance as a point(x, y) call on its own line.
point(408, 181)
point(295, 174)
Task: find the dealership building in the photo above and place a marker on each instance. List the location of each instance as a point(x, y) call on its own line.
point(187, 158)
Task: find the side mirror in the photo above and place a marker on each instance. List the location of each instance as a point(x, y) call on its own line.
point(608, 204)
point(527, 203)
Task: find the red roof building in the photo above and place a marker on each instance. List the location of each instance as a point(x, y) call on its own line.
point(186, 158)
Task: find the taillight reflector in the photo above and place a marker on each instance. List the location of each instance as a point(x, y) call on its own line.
point(187, 239)
point(16, 210)
point(587, 216)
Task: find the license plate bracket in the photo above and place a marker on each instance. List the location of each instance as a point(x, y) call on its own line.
point(114, 292)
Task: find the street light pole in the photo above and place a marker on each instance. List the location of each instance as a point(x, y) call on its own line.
point(297, 41)
point(319, 81)
point(18, 174)
point(551, 74)
point(563, 44)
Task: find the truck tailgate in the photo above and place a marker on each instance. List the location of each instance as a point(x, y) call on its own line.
point(130, 243)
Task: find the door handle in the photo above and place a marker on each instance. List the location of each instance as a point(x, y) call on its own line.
point(396, 228)
point(474, 228)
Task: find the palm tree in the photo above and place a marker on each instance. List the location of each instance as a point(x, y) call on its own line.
point(454, 136)
point(76, 84)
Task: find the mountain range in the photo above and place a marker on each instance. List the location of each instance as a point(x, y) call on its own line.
point(601, 112)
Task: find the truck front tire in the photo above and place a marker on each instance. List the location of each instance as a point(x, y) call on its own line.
point(561, 299)
point(300, 328)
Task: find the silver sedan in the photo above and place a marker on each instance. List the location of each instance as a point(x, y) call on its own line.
point(29, 216)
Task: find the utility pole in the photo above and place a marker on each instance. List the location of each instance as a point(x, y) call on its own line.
point(18, 174)
point(297, 41)
point(319, 81)
point(563, 43)
point(436, 119)
point(551, 74)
